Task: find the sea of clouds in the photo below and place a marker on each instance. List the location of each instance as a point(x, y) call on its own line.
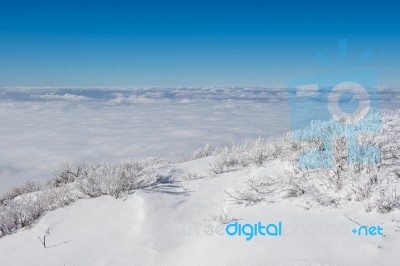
point(41, 128)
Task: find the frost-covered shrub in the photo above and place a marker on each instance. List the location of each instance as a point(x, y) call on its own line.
point(253, 191)
point(327, 131)
point(8, 218)
point(228, 158)
point(68, 174)
point(350, 175)
point(222, 218)
point(116, 178)
point(217, 166)
point(19, 213)
point(27, 186)
point(29, 201)
point(265, 150)
point(202, 152)
point(387, 201)
point(362, 182)
point(321, 197)
point(244, 195)
point(23, 210)
point(260, 152)
point(294, 183)
point(109, 179)
point(191, 176)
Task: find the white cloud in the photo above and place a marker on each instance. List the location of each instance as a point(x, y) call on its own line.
point(64, 97)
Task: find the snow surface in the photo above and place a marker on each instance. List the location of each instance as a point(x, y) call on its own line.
point(170, 224)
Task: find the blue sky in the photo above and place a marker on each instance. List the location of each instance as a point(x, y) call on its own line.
point(190, 43)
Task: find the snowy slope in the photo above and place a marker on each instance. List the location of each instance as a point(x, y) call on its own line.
point(171, 224)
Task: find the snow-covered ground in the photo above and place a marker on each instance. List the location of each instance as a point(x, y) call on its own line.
point(172, 224)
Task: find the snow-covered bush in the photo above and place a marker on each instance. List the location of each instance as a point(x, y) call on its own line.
point(273, 148)
point(261, 151)
point(116, 178)
point(244, 195)
point(23, 210)
point(254, 190)
point(26, 187)
point(68, 174)
point(294, 183)
point(229, 158)
point(202, 152)
point(191, 176)
point(27, 202)
point(8, 218)
point(387, 201)
point(325, 132)
point(222, 218)
point(377, 186)
point(217, 166)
